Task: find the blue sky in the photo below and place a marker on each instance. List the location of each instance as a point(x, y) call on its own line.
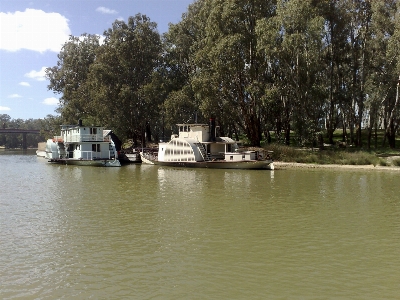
point(32, 33)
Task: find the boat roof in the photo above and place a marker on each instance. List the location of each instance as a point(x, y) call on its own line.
point(106, 132)
point(218, 140)
point(78, 126)
point(194, 124)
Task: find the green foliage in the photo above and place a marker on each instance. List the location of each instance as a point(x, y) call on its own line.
point(297, 66)
point(69, 77)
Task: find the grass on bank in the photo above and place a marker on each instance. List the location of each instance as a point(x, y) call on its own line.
point(312, 156)
point(381, 155)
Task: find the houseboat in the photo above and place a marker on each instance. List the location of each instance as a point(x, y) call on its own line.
point(199, 146)
point(83, 145)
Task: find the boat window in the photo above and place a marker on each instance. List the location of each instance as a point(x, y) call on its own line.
point(231, 157)
point(94, 147)
point(98, 147)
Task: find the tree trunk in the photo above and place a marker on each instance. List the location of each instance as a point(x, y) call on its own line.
point(287, 134)
point(253, 130)
point(391, 135)
point(148, 132)
point(369, 137)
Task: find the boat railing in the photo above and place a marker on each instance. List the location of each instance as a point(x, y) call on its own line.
point(202, 150)
point(74, 138)
point(87, 155)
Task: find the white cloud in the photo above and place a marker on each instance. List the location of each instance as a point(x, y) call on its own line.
point(37, 75)
point(14, 96)
point(4, 108)
point(105, 10)
point(23, 83)
point(50, 101)
point(34, 30)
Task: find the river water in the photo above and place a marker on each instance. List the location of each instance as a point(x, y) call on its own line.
point(148, 232)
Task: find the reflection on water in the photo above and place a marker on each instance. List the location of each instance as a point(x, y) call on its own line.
point(144, 232)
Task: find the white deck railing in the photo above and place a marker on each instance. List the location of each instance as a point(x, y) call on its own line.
point(89, 155)
point(75, 138)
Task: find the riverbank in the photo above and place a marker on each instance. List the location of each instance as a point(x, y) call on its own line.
point(300, 158)
point(291, 165)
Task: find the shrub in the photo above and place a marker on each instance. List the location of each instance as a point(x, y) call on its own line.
point(342, 157)
point(383, 163)
point(396, 162)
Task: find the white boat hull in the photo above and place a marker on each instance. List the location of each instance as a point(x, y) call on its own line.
point(83, 162)
point(219, 164)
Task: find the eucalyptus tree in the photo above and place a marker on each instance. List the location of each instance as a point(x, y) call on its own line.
point(336, 63)
point(392, 102)
point(292, 42)
point(120, 77)
point(228, 82)
point(359, 55)
point(69, 76)
point(181, 43)
point(382, 79)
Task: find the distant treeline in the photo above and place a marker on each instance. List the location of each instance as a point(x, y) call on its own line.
point(301, 66)
point(48, 127)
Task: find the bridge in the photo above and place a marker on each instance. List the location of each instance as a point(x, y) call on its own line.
point(24, 132)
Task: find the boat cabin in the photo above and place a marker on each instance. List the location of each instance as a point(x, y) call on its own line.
point(199, 142)
point(82, 142)
point(199, 132)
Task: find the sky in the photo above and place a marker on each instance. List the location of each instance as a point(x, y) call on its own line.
point(33, 32)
